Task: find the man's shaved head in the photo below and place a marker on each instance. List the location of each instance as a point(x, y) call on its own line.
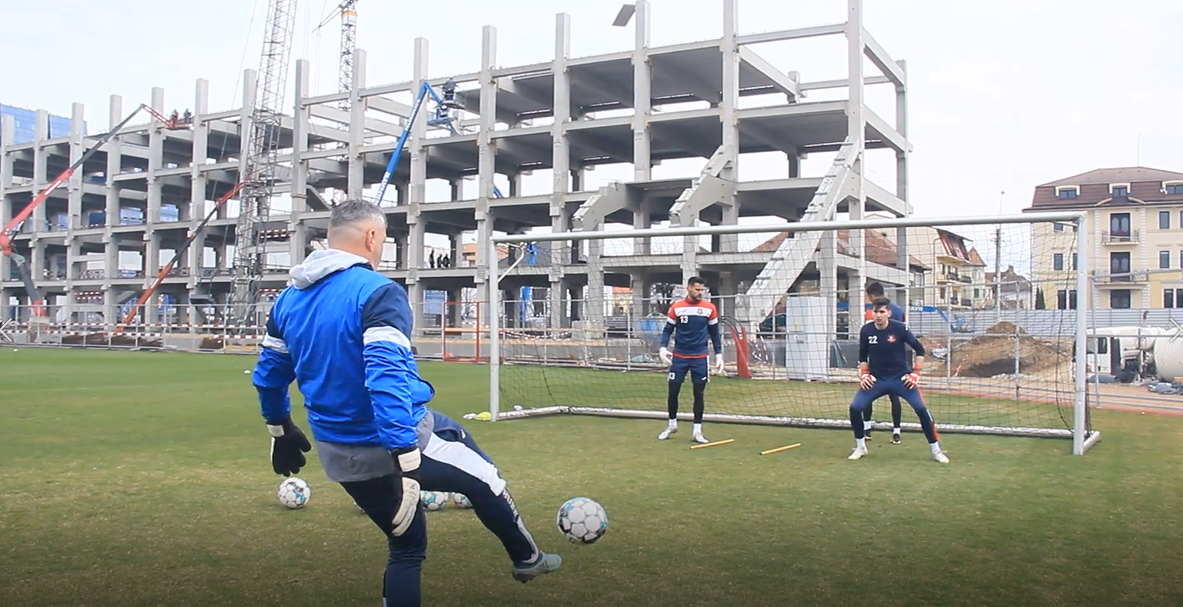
point(359, 227)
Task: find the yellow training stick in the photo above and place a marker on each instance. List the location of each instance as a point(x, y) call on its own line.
point(779, 449)
point(714, 444)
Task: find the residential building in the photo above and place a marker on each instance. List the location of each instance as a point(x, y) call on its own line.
point(1017, 293)
point(957, 277)
point(1135, 244)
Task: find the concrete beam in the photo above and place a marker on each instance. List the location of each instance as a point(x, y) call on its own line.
point(783, 82)
point(342, 117)
point(793, 34)
point(882, 60)
point(592, 213)
point(819, 85)
point(389, 106)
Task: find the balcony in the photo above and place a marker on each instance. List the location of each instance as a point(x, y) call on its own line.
point(1121, 238)
point(1120, 280)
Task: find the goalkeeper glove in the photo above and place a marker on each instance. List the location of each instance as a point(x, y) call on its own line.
point(666, 357)
point(288, 446)
point(406, 488)
point(866, 380)
point(912, 380)
point(719, 364)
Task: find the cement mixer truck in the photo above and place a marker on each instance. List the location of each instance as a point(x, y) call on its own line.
point(1132, 353)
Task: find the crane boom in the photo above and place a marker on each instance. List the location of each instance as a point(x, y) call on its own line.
point(35, 299)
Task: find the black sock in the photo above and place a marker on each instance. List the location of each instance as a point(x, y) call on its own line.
point(699, 402)
point(672, 400)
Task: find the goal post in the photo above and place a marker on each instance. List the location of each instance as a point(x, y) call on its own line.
point(576, 319)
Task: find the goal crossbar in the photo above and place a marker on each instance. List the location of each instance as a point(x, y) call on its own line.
point(1082, 436)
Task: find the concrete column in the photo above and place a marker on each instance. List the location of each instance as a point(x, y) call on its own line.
point(197, 179)
point(417, 188)
point(561, 163)
point(856, 130)
point(298, 236)
point(901, 182)
point(155, 161)
point(114, 167)
point(729, 120)
point(486, 166)
point(41, 175)
point(642, 97)
point(74, 185)
point(357, 118)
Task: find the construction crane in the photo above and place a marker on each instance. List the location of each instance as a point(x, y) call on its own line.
point(36, 300)
point(262, 158)
point(180, 251)
point(348, 12)
point(443, 117)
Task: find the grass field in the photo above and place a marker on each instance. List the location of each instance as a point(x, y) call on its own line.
point(143, 479)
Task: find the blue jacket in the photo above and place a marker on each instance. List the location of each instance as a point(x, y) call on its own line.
point(340, 331)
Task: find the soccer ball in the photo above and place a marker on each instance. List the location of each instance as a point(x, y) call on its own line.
point(461, 500)
point(433, 500)
point(294, 493)
point(582, 520)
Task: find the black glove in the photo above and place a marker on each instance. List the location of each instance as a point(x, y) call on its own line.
point(288, 446)
point(406, 488)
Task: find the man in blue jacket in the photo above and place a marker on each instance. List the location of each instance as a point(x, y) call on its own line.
point(341, 331)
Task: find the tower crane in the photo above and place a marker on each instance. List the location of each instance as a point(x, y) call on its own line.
point(262, 158)
point(348, 12)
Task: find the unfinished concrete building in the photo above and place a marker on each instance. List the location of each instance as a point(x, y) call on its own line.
point(149, 188)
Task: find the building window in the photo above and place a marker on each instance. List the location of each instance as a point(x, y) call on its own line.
point(1174, 188)
point(1058, 261)
point(1119, 224)
point(1164, 260)
point(1172, 298)
point(1119, 299)
point(1119, 266)
point(1074, 262)
point(1120, 192)
point(1066, 193)
point(1066, 299)
point(1164, 220)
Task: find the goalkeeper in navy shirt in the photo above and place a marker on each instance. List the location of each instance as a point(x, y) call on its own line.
point(875, 291)
point(691, 322)
point(883, 371)
point(341, 331)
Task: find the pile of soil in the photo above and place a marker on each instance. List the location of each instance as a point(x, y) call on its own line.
point(102, 339)
point(994, 353)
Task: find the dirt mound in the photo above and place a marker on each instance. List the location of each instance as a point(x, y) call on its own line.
point(213, 343)
point(1005, 328)
point(994, 354)
point(102, 339)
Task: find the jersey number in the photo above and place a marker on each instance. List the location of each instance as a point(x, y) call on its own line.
point(872, 339)
point(684, 319)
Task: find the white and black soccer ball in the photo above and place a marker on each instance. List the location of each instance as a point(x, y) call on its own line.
point(461, 501)
point(433, 500)
point(294, 493)
point(582, 520)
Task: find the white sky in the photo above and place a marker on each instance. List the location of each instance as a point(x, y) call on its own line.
point(1001, 98)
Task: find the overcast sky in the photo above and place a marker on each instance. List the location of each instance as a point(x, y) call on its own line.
point(1004, 95)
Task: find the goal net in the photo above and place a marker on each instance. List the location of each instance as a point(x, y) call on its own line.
point(581, 315)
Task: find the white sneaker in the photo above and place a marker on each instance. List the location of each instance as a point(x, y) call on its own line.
point(940, 457)
point(666, 433)
point(698, 438)
point(858, 453)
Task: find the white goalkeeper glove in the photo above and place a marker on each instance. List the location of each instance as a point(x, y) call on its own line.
point(718, 364)
point(866, 380)
point(406, 487)
point(666, 357)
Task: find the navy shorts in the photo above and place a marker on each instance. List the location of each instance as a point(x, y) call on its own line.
point(696, 367)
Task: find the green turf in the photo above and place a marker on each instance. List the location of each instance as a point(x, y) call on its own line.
point(112, 497)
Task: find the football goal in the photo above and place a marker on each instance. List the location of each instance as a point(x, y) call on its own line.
point(581, 316)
